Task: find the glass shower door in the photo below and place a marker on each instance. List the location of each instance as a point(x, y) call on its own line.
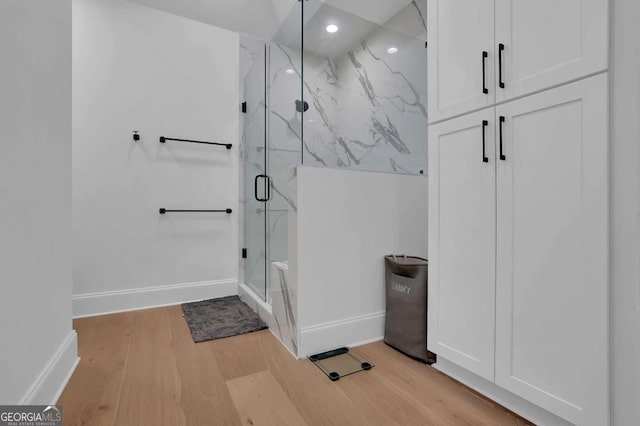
point(284, 129)
point(272, 146)
point(284, 142)
point(256, 186)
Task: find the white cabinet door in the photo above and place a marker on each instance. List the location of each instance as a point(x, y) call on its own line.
point(548, 42)
point(552, 251)
point(459, 32)
point(462, 241)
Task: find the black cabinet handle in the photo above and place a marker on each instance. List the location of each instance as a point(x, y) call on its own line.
point(502, 156)
point(485, 159)
point(255, 189)
point(500, 50)
point(484, 72)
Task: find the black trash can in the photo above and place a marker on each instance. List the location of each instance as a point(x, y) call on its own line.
point(406, 295)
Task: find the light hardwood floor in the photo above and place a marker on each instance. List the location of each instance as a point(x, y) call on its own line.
point(142, 368)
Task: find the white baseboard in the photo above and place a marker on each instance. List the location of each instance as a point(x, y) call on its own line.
point(349, 332)
point(51, 381)
point(92, 304)
point(503, 397)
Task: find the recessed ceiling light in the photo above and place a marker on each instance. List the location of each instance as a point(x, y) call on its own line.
point(392, 50)
point(290, 71)
point(332, 28)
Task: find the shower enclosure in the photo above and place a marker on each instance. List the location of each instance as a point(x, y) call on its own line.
point(271, 146)
point(342, 84)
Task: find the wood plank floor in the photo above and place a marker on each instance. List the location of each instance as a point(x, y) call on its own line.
point(142, 368)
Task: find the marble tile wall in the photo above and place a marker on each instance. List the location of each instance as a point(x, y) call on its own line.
point(284, 306)
point(367, 107)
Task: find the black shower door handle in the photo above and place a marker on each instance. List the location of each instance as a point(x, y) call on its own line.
point(484, 72)
point(267, 186)
point(502, 156)
point(485, 159)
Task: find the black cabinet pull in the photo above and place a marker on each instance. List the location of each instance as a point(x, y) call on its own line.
point(485, 159)
point(500, 50)
point(484, 72)
point(502, 156)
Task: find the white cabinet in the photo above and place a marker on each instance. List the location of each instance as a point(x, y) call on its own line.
point(461, 56)
point(518, 247)
point(462, 241)
point(529, 46)
point(552, 251)
point(518, 244)
point(548, 42)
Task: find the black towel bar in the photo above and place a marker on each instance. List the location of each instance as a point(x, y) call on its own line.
point(165, 211)
point(165, 139)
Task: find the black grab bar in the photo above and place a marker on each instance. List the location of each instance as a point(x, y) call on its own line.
point(165, 139)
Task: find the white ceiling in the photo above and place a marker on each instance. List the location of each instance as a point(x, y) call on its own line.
point(359, 23)
point(263, 18)
point(376, 11)
point(259, 18)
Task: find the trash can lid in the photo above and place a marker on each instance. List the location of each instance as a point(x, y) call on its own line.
point(407, 260)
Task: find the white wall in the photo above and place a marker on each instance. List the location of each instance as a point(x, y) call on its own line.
point(347, 221)
point(136, 68)
point(625, 181)
point(37, 346)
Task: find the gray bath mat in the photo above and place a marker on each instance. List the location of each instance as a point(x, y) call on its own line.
point(219, 318)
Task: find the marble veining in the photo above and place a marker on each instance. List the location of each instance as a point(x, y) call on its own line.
point(367, 108)
point(284, 306)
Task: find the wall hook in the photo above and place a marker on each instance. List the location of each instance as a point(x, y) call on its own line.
point(136, 135)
